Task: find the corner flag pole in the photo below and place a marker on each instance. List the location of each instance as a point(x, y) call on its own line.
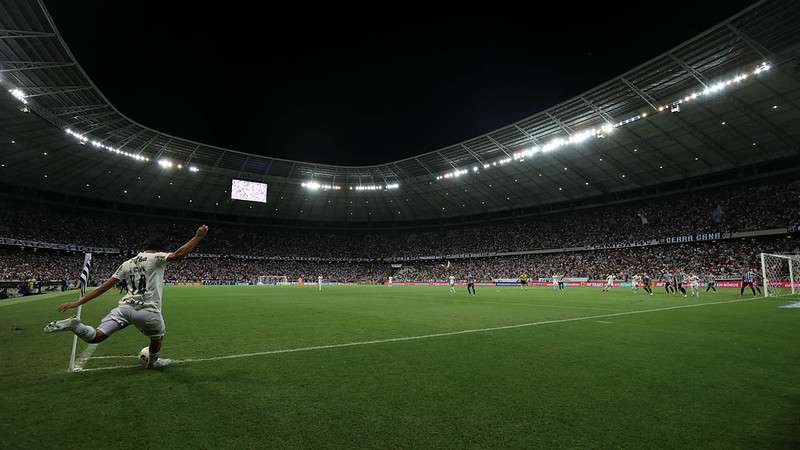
point(83, 281)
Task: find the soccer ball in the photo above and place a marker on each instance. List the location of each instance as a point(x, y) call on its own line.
point(144, 357)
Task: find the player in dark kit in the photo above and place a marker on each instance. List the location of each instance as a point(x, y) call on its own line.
point(711, 283)
point(679, 278)
point(646, 283)
point(749, 279)
point(470, 285)
point(123, 286)
point(667, 278)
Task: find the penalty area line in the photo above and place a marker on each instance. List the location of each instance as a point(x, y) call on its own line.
point(427, 336)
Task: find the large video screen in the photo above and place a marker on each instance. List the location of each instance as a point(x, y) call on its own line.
point(249, 191)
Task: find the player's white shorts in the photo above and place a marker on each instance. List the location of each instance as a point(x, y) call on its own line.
point(610, 284)
point(149, 323)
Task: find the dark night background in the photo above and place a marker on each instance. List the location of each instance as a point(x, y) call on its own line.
point(363, 85)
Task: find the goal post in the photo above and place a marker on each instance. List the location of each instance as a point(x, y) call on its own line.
point(273, 280)
point(779, 273)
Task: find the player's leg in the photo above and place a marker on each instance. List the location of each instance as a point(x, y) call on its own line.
point(114, 321)
point(741, 291)
point(151, 324)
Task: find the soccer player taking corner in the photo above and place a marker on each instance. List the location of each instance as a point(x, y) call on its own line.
point(140, 306)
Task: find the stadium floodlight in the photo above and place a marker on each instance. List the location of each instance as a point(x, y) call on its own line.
point(314, 186)
point(83, 140)
point(165, 163)
point(193, 169)
point(18, 94)
point(607, 128)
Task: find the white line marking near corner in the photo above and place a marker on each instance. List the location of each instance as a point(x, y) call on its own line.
point(83, 358)
point(426, 336)
point(114, 357)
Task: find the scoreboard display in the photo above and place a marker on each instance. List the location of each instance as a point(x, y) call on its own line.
point(249, 191)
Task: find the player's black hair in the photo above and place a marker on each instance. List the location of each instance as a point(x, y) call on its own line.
point(155, 243)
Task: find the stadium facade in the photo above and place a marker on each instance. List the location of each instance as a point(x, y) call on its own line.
point(721, 106)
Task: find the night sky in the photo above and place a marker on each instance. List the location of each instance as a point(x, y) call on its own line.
point(364, 85)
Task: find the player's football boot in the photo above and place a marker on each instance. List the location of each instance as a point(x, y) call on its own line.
point(160, 363)
point(62, 325)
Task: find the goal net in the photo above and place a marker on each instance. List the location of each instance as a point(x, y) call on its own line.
point(780, 273)
point(273, 280)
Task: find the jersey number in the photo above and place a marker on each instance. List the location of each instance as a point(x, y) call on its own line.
point(140, 288)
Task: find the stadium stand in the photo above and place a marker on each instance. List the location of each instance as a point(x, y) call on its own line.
point(635, 237)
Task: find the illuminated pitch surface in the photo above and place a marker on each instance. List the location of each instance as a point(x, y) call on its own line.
point(715, 376)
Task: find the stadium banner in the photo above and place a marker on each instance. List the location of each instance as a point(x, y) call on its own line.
point(56, 246)
point(277, 258)
point(565, 279)
point(440, 283)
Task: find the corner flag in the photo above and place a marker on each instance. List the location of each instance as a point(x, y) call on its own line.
point(83, 281)
point(84, 278)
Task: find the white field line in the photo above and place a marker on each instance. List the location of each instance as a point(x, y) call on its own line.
point(83, 358)
point(428, 336)
point(603, 321)
point(114, 357)
point(539, 305)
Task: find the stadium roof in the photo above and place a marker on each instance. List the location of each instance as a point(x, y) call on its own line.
point(737, 87)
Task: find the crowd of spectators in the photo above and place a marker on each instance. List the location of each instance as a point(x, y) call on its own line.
point(741, 208)
point(738, 208)
point(724, 258)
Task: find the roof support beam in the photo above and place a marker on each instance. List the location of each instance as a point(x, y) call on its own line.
point(52, 90)
point(24, 34)
point(690, 70)
point(424, 166)
point(642, 94)
point(90, 117)
point(130, 138)
point(499, 145)
point(756, 46)
point(446, 159)
point(147, 143)
point(18, 66)
point(73, 110)
point(474, 155)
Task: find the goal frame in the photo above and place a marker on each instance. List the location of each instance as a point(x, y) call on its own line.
point(792, 260)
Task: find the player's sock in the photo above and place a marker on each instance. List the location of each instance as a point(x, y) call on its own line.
point(153, 359)
point(85, 332)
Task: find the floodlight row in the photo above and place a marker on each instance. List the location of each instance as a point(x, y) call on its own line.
point(608, 127)
point(316, 186)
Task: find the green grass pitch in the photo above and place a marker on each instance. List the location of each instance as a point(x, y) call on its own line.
point(625, 371)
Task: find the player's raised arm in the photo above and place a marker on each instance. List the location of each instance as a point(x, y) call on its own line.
point(100, 290)
point(187, 248)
